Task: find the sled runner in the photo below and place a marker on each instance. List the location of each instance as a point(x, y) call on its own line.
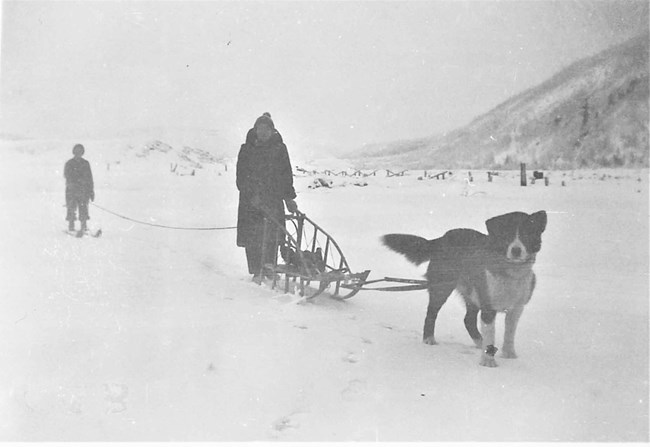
point(308, 254)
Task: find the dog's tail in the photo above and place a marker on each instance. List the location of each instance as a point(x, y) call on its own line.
point(416, 249)
point(448, 249)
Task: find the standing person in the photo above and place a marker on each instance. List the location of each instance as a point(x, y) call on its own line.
point(265, 183)
point(79, 187)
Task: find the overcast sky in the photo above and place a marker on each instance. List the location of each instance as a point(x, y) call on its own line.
point(336, 74)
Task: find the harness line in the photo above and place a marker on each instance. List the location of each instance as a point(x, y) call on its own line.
point(159, 225)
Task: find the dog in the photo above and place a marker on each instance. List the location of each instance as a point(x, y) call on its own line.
point(492, 272)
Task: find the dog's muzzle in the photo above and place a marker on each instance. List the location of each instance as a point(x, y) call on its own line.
point(517, 253)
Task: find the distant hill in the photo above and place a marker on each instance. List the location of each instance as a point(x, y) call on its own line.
point(181, 160)
point(210, 140)
point(5, 136)
point(136, 147)
point(592, 114)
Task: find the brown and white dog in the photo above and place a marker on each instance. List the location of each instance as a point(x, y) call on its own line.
point(493, 273)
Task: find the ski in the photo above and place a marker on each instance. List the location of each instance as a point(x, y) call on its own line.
point(82, 233)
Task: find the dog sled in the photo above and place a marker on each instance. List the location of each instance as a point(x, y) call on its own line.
point(307, 255)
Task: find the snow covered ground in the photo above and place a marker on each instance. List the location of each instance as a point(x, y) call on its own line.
point(150, 334)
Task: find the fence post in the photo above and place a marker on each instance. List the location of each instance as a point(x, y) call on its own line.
point(523, 174)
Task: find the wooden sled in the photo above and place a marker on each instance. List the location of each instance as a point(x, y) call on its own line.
point(308, 254)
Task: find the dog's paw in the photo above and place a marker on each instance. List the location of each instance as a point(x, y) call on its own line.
point(488, 360)
point(429, 340)
point(508, 353)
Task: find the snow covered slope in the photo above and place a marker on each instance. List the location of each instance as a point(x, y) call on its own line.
point(593, 113)
point(150, 334)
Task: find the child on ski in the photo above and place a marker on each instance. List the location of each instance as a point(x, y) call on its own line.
point(79, 187)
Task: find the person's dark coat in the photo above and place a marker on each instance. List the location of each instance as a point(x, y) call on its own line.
point(79, 178)
point(264, 180)
point(79, 187)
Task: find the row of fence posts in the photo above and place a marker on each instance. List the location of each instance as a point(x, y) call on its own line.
point(358, 173)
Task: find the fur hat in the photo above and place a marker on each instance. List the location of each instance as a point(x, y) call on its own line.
point(265, 119)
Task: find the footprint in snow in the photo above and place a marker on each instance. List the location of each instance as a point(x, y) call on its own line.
point(287, 423)
point(356, 389)
point(116, 395)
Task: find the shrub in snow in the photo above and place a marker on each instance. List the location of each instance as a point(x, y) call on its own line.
point(320, 183)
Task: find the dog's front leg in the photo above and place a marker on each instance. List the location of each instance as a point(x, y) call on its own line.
point(512, 318)
point(487, 331)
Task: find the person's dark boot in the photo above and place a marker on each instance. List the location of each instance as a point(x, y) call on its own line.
point(83, 225)
point(71, 225)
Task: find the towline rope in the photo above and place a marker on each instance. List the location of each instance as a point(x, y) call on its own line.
point(159, 225)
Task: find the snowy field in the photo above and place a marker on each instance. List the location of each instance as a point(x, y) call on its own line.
point(150, 334)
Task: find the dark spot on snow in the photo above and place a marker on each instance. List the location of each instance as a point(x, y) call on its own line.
point(284, 423)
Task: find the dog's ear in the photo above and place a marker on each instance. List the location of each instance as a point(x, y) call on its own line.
point(501, 225)
point(538, 220)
